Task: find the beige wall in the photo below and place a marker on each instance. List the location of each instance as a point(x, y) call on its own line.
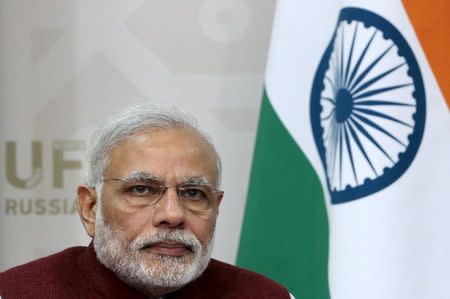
point(66, 65)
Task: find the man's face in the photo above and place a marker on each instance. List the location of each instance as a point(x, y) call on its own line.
point(166, 238)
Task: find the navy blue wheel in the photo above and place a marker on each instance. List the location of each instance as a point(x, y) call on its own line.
point(367, 106)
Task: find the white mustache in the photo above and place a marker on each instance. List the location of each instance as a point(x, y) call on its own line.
point(167, 236)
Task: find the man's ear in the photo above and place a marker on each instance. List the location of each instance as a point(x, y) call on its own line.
point(219, 201)
point(87, 207)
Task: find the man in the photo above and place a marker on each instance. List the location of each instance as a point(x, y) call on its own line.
point(150, 204)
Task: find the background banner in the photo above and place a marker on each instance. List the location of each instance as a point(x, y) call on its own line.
point(67, 65)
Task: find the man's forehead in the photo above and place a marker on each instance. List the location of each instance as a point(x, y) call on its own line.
point(163, 135)
point(181, 139)
point(158, 151)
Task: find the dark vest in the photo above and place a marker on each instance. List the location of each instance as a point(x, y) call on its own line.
point(76, 273)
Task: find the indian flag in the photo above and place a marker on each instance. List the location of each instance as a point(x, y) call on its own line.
point(349, 189)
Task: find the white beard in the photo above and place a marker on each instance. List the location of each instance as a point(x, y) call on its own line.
point(147, 271)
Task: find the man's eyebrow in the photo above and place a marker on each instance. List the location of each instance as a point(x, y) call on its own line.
point(148, 176)
point(141, 176)
point(198, 180)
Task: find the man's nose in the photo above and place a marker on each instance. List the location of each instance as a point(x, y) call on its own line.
point(170, 211)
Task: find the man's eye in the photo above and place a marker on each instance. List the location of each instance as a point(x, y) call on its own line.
point(143, 190)
point(193, 193)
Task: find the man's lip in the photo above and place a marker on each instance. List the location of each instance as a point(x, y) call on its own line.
point(172, 249)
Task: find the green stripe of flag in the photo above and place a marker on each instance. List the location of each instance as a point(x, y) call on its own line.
point(285, 229)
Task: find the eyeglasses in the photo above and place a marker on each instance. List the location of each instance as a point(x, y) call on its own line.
point(140, 193)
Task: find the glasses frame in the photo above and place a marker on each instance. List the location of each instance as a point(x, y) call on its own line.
point(164, 188)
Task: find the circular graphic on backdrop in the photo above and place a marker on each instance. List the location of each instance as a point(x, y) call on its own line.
point(367, 106)
point(224, 22)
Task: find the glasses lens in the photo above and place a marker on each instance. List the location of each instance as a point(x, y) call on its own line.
point(197, 197)
point(141, 193)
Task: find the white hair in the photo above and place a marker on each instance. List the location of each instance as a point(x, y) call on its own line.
point(128, 122)
point(164, 272)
